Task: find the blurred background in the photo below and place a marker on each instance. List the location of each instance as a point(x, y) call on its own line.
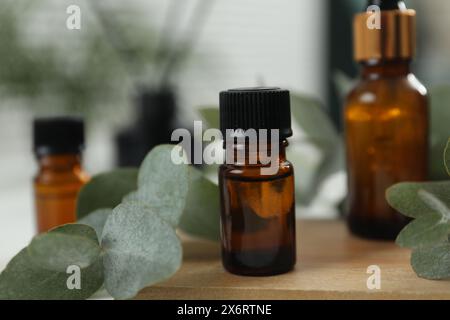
point(138, 69)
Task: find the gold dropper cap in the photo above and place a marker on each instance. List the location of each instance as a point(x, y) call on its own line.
point(396, 39)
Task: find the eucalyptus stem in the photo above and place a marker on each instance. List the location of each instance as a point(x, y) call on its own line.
point(169, 27)
point(116, 42)
point(196, 23)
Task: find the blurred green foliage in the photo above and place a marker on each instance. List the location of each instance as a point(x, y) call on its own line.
point(44, 75)
point(117, 52)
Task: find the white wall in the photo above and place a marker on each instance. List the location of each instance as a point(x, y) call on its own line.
point(258, 42)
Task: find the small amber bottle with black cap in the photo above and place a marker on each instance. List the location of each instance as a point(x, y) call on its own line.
point(257, 194)
point(58, 146)
point(386, 120)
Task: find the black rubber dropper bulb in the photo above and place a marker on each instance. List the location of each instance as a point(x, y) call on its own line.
point(388, 4)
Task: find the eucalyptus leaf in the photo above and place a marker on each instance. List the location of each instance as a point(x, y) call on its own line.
point(343, 83)
point(440, 129)
point(72, 244)
point(106, 191)
point(23, 280)
point(416, 200)
point(306, 169)
point(432, 263)
point(429, 204)
point(160, 167)
point(141, 249)
point(201, 215)
point(321, 133)
point(313, 119)
point(447, 157)
point(163, 185)
point(333, 162)
point(211, 115)
point(97, 220)
point(40, 271)
point(424, 231)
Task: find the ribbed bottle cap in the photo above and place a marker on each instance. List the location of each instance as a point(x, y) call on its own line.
point(396, 39)
point(59, 135)
point(256, 108)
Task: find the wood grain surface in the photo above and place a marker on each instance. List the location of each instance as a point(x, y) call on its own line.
point(331, 265)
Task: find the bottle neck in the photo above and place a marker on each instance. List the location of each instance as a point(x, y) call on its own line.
point(388, 4)
point(60, 162)
point(258, 154)
point(385, 69)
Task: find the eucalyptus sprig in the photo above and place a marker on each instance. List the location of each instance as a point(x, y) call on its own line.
point(428, 204)
point(447, 157)
point(125, 238)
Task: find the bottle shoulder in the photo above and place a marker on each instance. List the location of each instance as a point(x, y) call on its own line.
point(405, 90)
point(60, 177)
point(284, 168)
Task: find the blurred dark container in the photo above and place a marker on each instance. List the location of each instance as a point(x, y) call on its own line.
point(153, 125)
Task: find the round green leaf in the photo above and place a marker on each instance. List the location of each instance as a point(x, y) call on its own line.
point(163, 185)
point(344, 84)
point(159, 167)
point(169, 209)
point(106, 191)
point(72, 244)
point(440, 131)
point(25, 278)
point(404, 197)
point(424, 231)
point(97, 220)
point(432, 262)
point(310, 115)
point(201, 216)
point(141, 249)
point(313, 119)
point(447, 157)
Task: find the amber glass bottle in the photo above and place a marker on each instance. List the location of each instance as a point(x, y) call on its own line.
point(58, 144)
point(258, 208)
point(386, 120)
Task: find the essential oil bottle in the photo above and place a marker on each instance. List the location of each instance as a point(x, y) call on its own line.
point(386, 120)
point(58, 146)
point(257, 206)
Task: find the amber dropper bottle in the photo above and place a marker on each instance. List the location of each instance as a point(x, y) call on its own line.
point(58, 145)
point(386, 120)
point(258, 208)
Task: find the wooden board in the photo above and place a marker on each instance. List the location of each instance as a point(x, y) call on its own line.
point(331, 265)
